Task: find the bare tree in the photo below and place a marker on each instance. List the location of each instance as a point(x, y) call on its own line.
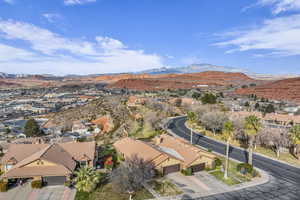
point(275, 138)
point(154, 119)
point(131, 175)
point(238, 122)
point(214, 121)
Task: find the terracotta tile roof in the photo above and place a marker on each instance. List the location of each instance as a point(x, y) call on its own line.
point(188, 152)
point(105, 121)
point(80, 150)
point(269, 116)
point(169, 147)
point(57, 170)
point(130, 148)
point(21, 151)
point(61, 154)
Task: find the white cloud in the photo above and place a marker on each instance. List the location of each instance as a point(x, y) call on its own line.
point(8, 53)
point(109, 43)
point(278, 6)
point(52, 17)
point(76, 2)
point(279, 35)
point(42, 39)
point(53, 53)
point(9, 1)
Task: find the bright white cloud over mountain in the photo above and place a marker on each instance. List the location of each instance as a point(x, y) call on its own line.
point(59, 54)
point(279, 35)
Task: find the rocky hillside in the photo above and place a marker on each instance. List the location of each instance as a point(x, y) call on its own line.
point(179, 81)
point(288, 90)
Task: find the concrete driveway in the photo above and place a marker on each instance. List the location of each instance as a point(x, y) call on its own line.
point(25, 192)
point(200, 184)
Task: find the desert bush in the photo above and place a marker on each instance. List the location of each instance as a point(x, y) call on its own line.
point(218, 162)
point(37, 184)
point(245, 168)
point(3, 186)
point(187, 172)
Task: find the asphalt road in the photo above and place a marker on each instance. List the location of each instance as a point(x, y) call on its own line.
point(284, 179)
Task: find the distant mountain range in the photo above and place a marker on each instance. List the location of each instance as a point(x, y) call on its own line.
point(194, 68)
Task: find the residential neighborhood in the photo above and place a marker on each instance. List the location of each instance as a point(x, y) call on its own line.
point(149, 100)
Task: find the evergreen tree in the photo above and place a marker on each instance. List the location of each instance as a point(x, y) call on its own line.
point(209, 98)
point(32, 128)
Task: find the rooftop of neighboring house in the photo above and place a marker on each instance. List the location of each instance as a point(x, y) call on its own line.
point(270, 116)
point(61, 159)
point(105, 121)
point(165, 147)
point(188, 152)
point(78, 150)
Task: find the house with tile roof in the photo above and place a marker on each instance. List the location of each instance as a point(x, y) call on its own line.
point(167, 154)
point(52, 163)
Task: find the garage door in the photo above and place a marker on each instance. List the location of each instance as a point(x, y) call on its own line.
point(198, 168)
point(171, 169)
point(54, 180)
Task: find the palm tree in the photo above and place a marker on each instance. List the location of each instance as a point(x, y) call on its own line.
point(252, 127)
point(295, 137)
point(86, 179)
point(228, 131)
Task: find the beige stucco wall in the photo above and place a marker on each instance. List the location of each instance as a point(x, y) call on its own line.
point(209, 162)
point(168, 162)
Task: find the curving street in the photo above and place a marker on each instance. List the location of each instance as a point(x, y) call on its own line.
point(284, 181)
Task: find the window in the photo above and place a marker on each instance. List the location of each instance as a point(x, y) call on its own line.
point(8, 167)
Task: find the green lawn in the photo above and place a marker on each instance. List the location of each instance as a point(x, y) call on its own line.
point(234, 176)
point(220, 176)
point(165, 188)
point(106, 192)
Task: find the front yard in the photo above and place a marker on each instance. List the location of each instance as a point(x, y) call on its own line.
point(234, 177)
point(106, 192)
point(165, 188)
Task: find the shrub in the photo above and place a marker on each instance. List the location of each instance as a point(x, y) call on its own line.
point(68, 183)
point(218, 162)
point(245, 168)
point(37, 184)
point(3, 186)
point(187, 172)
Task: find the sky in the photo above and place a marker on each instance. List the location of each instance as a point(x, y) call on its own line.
point(110, 36)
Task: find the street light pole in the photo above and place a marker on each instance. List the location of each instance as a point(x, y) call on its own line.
point(191, 134)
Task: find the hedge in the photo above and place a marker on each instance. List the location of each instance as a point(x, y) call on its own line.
point(187, 172)
point(37, 184)
point(3, 186)
point(245, 168)
point(218, 162)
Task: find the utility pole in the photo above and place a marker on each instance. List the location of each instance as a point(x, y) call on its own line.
point(191, 134)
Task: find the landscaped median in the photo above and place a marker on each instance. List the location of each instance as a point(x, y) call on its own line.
point(238, 172)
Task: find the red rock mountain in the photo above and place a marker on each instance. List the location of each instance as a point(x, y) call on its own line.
point(176, 81)
point(287, 89)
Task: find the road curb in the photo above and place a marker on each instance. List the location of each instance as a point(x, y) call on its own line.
point(256, 153)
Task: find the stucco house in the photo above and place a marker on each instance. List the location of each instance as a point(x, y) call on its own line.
point(53, 163)
point(167, 154)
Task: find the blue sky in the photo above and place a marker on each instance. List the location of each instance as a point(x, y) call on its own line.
point(105, 36)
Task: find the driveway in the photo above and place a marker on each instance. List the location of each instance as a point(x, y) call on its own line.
point(25, 192)
point(200, 184)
